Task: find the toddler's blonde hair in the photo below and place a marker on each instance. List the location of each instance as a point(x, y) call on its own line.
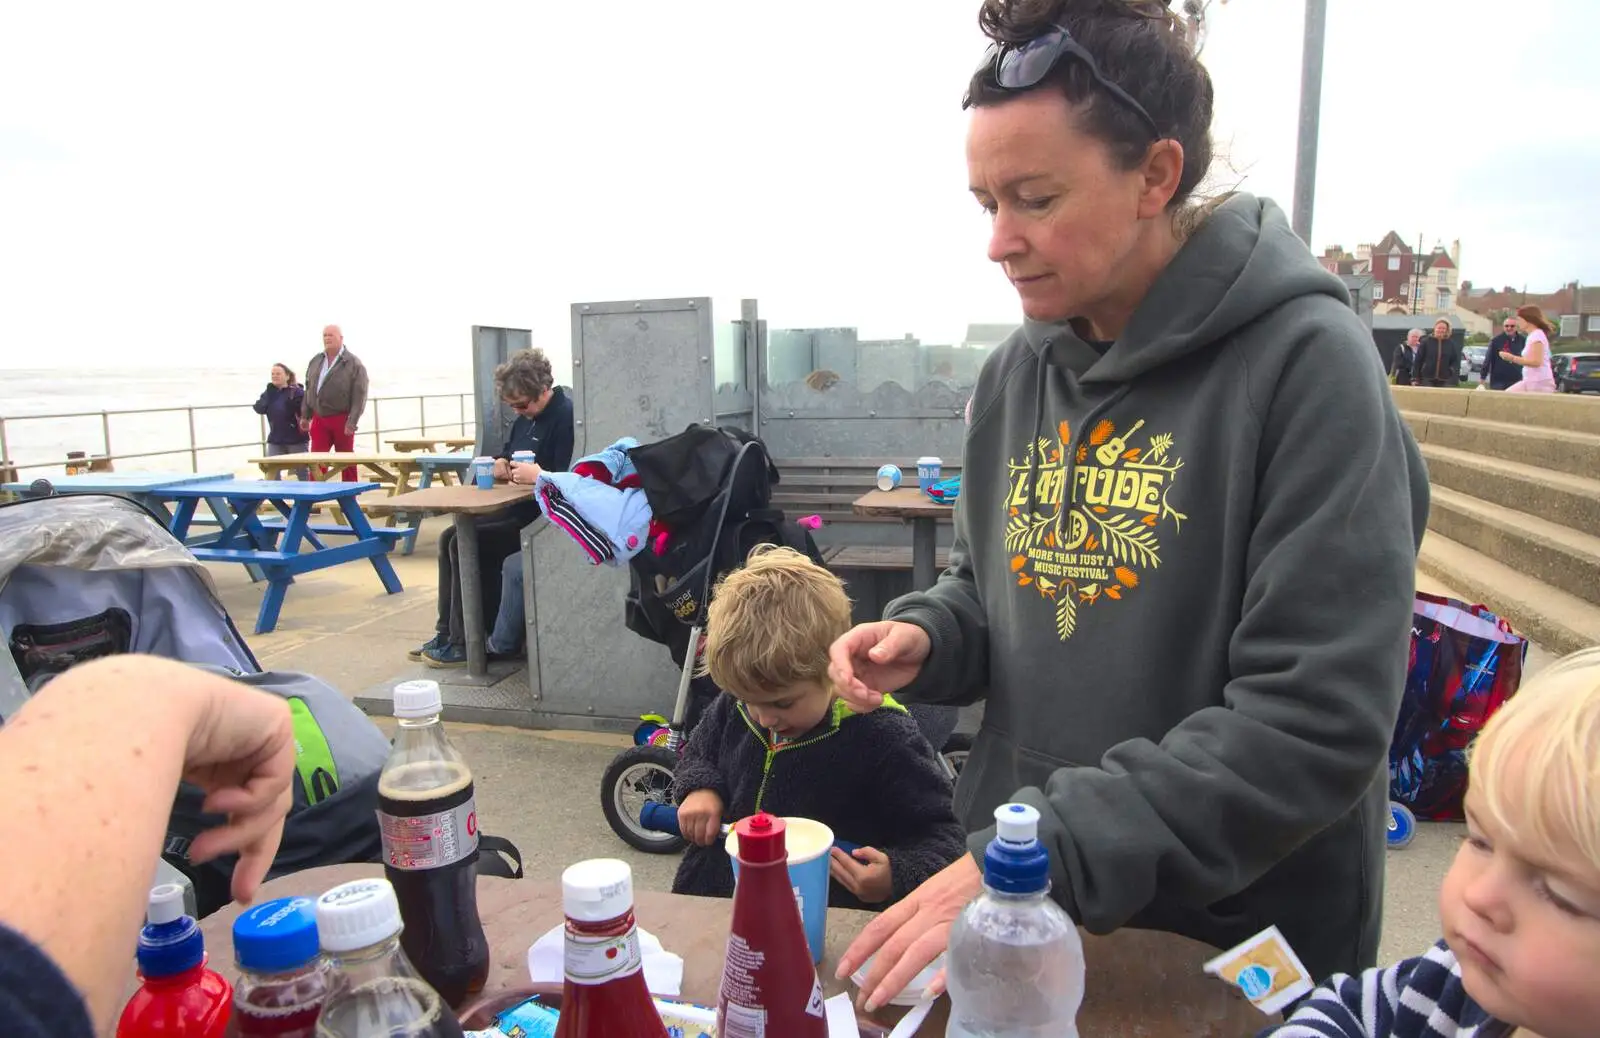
point(771, 623)
point(1536, 764)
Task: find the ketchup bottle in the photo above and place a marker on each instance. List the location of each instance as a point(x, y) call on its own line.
point(179, 996)
point(769, 985)
point(604, 994)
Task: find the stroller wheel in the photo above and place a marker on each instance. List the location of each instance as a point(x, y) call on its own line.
point(955, 751)
point(634, 777)
point(1402, 826)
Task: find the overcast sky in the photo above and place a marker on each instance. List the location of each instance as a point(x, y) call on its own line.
point(211, 182)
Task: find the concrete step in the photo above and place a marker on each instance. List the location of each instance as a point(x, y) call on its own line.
point(1563, 558)
point(1554, 619)
point(1529, 410)
point(1571, 501)
point(1576, 453)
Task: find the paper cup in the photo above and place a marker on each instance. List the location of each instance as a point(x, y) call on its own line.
point(928, 470)
point(888, 477)
point(808, 843)
point(483, 472)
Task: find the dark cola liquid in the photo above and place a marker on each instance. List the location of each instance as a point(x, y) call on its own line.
point(431, 858)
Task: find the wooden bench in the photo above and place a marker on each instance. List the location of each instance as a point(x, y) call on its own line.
point(829, 486)
point(873, 573)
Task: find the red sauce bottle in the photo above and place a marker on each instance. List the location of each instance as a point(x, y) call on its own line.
point(604, 994)
point(769, 984)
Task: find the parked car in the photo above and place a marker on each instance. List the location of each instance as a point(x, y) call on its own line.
point(1576, 372)
point(1474, 356)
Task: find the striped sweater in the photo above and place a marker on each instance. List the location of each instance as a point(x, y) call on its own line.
point(1418, 998)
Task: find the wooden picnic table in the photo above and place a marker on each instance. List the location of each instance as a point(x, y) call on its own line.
point(389, 468)
point(922, 513)
point(251, 540)
point(464, 504)
point(1138, 981)
point(433, 443)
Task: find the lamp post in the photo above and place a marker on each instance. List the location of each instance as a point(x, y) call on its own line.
point(1305, 163)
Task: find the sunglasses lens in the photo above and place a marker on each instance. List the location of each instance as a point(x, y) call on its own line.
point(1026, 66)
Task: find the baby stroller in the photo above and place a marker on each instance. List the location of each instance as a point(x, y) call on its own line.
point(711, 489)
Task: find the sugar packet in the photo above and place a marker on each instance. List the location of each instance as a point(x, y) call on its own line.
point(1266, 969)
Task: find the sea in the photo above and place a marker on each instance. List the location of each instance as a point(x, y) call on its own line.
point(46, 413)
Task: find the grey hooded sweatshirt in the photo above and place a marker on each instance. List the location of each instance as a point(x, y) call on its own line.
point(1182, 578)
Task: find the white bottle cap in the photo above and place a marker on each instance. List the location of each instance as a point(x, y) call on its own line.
point(165, 904)
point(1016, 823)
point(357, 914)
point(418, 698)
point(596, 890)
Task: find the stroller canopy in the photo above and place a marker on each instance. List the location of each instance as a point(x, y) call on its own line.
point(98, 571)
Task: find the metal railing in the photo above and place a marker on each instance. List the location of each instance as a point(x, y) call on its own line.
point(463, 421)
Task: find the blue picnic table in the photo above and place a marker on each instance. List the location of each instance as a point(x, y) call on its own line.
point(291, 543)
point(149, 489)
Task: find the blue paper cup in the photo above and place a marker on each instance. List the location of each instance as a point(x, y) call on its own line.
point(928, 470)
point(888, 477)
point(808, 843)
point(483, 472)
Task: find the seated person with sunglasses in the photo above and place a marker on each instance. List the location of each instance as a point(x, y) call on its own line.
point(1184, 552)
point(544, 425)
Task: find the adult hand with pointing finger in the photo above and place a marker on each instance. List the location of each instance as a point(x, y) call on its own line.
point(870, 660)
point(911, 933)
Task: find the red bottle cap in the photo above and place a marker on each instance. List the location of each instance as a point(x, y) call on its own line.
point(761, 839)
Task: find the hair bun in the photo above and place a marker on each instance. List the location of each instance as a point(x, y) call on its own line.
point(1017, 21)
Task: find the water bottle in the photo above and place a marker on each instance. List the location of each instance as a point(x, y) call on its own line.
point(374, 991)
point(1015, 960)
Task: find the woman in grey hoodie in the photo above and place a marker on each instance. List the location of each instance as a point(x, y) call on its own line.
point(1184, 559)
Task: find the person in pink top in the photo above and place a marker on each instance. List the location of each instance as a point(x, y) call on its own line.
point(1537, 377)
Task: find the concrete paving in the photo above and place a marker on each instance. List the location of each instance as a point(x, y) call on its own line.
point(541, 789)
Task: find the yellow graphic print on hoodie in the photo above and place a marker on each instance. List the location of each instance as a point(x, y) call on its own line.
point(1096, 549)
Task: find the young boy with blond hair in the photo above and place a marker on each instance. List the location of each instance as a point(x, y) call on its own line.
point(1520, 906)
point(780, 740)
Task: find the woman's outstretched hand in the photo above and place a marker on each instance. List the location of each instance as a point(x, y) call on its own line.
point(870, 660)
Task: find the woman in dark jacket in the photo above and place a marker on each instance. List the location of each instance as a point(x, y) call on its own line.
point(280, 402)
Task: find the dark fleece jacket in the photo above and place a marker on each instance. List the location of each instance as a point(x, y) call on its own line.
point(871, 778)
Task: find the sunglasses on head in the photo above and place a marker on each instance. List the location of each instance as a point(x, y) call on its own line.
point(1014, 66)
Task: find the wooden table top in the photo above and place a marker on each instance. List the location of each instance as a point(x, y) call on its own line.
point(901, 503)
point(1139, 981)
point(336, 458)
point(409, 443)
point(467, 499)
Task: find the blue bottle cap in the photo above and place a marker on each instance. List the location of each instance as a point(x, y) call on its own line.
point(1015, 861)
point(276, 936)
point(170, 941)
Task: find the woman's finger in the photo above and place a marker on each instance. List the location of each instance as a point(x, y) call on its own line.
point(936, 986)
point(874, 934)
point(921, 951)
point(254, 863)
